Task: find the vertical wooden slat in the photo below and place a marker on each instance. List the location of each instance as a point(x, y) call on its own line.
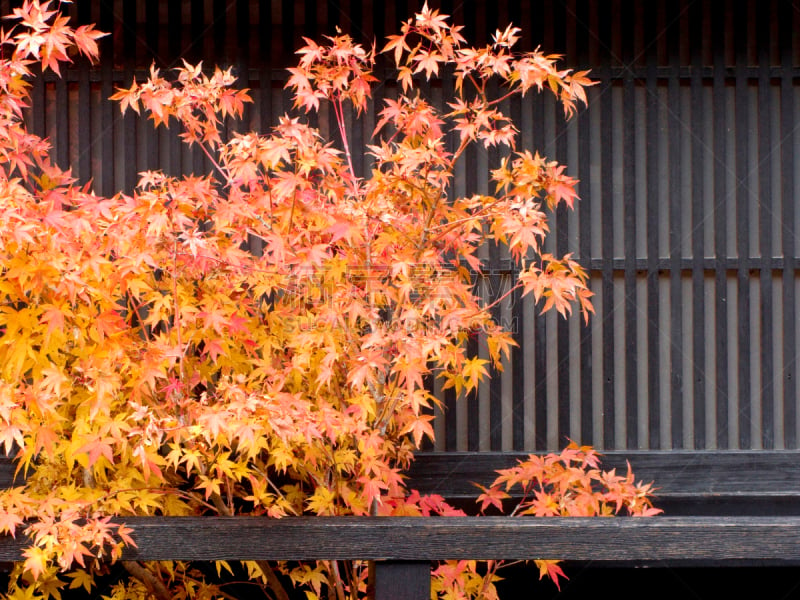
point(572, 331)
point(359, 135)
point(178, 152)
point(403, 13)
point(198, 51)
point(147, 148)
point(496, 280)
point(311, 28)
point(456, 408)
point(152, 31)
point(287, 44)
point(605, 107)
point(366, 38)
point(129, 122)
point(334, 14)
point(518, 391)
point(539, 323)
point(37, 124)
point(106, 23)
point(121, 150)
point(674, 128)
point(653, 373)
point(175, 27)
point(243, 30)
point(742, 229)
point(698, 118)
point(525, 381)
point(220, 33)
point(61, 126)
point(496, 284)
point(788, 234)
point(562, 247)
point(265, 65)
point(568, 155)
point(585, 212)
point(489, 20)
point(720, 232)
point(219, 30)
point(196, 31)
point(765, 211)
point(471, 182)
point(379, 24)
point(451, 426)
point(517, 313)
point(194, 52)
point(451, 420)
point(548, 148)
point(83, 125)
point(472, 399)
point(629, 234)
point(255, 243)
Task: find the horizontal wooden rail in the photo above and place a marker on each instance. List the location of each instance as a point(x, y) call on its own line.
point(682, 540)
point(688, 483)
point(675, 473)
point(701, 482)
point(617, 73)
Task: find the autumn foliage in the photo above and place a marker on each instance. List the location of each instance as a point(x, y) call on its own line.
point(256, 340)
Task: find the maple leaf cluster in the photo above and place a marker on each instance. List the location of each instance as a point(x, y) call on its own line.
point(256, 340)
point(568, 484)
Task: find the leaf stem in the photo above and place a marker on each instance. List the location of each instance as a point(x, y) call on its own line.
point(216, 164)
point(338, 109)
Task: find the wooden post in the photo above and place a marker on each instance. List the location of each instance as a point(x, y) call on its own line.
point(402, 580)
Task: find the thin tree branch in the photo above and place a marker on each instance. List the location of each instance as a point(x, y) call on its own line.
point(153, 584)
point(272, 580)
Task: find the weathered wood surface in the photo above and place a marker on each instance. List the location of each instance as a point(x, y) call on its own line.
point(676, 474)
point(687, 482)
point(403, 580)
point(766, 540)
point(688, 228)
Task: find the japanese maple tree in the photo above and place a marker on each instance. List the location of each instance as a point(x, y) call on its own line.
point(150, 364)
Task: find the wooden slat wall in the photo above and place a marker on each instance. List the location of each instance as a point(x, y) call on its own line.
point(686, 157)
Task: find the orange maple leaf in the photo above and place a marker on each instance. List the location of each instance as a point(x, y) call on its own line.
point(551, 569)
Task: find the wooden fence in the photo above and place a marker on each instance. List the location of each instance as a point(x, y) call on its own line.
point(686, 156)
point(403, 547)
point(726, 509)
point(717, 540)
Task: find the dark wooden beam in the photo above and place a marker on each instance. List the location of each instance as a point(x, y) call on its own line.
point(682, 540)
point(676, 474)
point(687, 482)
